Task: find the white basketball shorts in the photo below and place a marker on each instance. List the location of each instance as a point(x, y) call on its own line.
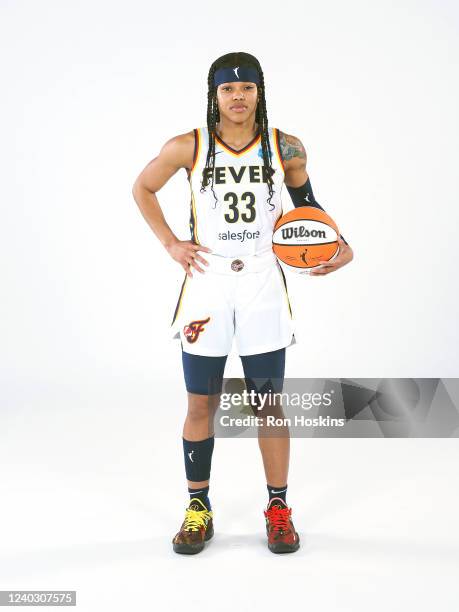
point(244, 297)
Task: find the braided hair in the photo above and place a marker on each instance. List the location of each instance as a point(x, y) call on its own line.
point(213, 116)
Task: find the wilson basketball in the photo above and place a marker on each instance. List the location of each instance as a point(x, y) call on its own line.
point(303, 237)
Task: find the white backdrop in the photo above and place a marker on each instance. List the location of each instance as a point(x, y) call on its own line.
point(93, 397)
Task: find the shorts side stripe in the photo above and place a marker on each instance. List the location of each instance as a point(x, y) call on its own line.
point(285, 287)
point(180, 299)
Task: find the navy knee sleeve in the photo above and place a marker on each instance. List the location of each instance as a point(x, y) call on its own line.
point(264, 372)
point(203, 375)
point(198, 458)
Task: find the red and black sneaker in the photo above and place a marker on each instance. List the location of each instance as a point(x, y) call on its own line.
point(280, 530)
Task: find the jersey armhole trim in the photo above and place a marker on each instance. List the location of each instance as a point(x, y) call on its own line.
point(278, 148)
point(197, 147)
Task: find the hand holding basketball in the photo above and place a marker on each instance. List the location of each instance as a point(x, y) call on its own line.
point(185, 252)
point(345, 256)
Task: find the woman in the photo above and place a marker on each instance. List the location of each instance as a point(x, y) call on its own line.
point(236, 166)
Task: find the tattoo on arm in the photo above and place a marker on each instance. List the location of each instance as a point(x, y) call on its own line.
point(291, 147)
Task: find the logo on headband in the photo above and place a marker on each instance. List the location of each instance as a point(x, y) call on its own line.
point(237, 73)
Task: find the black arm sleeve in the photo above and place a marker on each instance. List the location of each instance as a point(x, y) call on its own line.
point(303, 196)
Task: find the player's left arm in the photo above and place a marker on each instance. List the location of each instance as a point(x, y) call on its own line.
point(299, 187)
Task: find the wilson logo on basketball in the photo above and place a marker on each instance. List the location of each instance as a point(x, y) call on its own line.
point(301, 232)
point(193, 329)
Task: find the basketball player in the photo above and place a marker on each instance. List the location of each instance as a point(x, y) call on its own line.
point(234, 286)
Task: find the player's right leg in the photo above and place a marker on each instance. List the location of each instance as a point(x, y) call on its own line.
point(203, 379)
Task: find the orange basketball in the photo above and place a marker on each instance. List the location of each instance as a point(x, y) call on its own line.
point(303, 237)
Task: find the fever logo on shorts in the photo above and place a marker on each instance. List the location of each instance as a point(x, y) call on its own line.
point(193, 329)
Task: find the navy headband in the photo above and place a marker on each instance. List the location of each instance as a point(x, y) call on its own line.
point(238, 73)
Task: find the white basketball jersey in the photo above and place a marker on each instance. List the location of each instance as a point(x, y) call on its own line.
point(241, 222)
